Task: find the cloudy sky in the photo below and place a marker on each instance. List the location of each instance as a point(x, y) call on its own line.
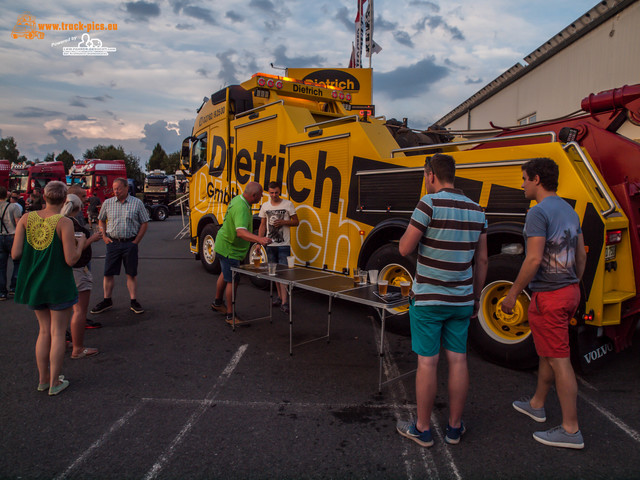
point(169, 54)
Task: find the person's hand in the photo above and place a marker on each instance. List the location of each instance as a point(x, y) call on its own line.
point(81, 240)
point(508, 303)
point(95, 237)
point(476, 308)
point(264, 241)
point(279, 223)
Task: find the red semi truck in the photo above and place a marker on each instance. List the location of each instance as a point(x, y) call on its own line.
point(5, 168)
point(25, 178)
point(97, 176)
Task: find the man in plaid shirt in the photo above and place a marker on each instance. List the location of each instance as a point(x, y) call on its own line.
point(123, 221)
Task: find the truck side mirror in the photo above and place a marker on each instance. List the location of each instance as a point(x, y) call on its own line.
point(185, 153)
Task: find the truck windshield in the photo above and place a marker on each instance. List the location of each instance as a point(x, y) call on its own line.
point(18, 183)
point(85, 181)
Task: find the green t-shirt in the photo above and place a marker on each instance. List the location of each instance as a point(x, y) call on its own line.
point(228, 244)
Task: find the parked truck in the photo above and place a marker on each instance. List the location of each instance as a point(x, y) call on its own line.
point(355, 179)
point(25, 178)
point(96, 176)
point(5, 168)
point(159, 194)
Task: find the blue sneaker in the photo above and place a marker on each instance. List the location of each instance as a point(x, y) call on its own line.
point(524, 406)
point(559, 437)
point(453, 435)
point(409, 430)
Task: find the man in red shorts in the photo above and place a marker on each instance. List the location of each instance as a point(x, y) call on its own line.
point(553, 267)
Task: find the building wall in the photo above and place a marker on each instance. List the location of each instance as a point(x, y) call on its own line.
point(605, 58)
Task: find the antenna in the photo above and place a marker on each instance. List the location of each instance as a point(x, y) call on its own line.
point(275, 67)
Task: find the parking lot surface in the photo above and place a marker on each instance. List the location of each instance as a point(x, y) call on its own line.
point(175, 393)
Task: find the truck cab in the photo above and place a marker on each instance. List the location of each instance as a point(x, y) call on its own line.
point(96, 176)
point(159, 194)
point(25, 178)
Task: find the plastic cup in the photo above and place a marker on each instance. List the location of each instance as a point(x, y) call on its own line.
point(382, 286)
point(363, 277)
point(272, 269)
point(256, 261)
point(291, 261)
point(373, 276)
point(356, 279)
point(405, 288)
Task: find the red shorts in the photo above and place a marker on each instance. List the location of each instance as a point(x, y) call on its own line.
point(549, 315)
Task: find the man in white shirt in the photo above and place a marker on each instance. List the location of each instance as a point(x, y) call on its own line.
point(277, 216)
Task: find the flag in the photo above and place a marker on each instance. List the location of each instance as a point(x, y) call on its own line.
point(352, 60)
point(371, 46)
point(358, 43)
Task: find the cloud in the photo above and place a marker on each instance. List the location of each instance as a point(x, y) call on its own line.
point(234, 17)
point(78, 101)
point(185, 26)
point(342, 16)
point(436, 21)
point(80, 118)
point(424, 3)
point(411, 81)
point(35, 112)
point(228, 69)
point(265, 5)
point(168, 134)
point(200, 13)
point(202, 72)
point(403, 38)
point(380, 24)
point(142, 10)
point(281, 58)
point(472, 81)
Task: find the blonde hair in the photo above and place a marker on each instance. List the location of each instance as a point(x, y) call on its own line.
point(72, 204)
point(55, 192)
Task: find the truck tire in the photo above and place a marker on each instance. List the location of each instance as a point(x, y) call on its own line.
point(393, 267)
point(161, 214)
point(206, 251)
point(503, 339)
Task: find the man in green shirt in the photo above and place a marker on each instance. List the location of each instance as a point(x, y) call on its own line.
point(233, 241)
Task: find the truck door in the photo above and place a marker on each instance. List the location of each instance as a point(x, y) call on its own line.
point(318, 183)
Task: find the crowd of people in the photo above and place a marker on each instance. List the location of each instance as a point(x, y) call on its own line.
point(447, 228)
point(50, 245)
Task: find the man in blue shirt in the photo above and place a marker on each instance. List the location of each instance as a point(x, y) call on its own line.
point(552, 268)
point(449, 230)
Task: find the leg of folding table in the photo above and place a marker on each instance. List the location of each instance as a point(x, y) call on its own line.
point(381, 352)
point(290, 291)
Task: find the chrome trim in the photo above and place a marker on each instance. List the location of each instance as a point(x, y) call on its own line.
point(316, 140)
point(261, 107)
point(334, 120)
point(461, 166)
point(259, 120)
point(472, 142)
point(603, 190)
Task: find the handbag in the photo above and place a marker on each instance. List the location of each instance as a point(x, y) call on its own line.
point(85, 258)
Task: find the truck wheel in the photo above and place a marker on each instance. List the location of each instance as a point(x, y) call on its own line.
point(205, 248)
point(161, 214)
point(498, 337)
point(393, 267)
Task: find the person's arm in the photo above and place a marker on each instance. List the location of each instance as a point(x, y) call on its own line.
point(102, 228)
point(262, 230)
point(141, 232)
point(409, 240)
point(535, 252)
point(71, 245)
point(18, 239)
point(481, 260)
point(244, 234)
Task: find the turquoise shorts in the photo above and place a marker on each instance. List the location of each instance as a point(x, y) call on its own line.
point(433, 326)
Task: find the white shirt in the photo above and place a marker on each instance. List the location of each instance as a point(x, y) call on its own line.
point(281, 235)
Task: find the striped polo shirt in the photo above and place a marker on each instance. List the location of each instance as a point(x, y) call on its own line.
point(451, 225)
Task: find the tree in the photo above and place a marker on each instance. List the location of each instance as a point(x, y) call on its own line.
point(158, 159)
point(173, 163)
point(132, 163)
point(50, 157)
point(9, 150)
point(67, 160)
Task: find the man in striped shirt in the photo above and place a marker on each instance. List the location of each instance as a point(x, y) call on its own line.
point(450, 232)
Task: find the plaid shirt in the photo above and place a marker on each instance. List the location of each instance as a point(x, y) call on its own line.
point(123, 218)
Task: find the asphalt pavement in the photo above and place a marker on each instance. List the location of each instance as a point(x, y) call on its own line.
point(176, 394)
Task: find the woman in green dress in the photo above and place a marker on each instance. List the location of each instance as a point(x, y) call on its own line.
point(47, 247)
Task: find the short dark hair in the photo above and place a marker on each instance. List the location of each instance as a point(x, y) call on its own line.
point(547, 171)
point(275, 184)
point(3, 192)
point(443, 166)
point(122, 181)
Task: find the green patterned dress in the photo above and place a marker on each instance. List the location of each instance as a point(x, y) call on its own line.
point(44, 277)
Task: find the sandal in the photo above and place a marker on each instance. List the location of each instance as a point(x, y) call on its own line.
point(87, 352)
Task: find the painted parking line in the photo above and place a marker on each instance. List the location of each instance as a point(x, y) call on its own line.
point(117, 425)
point(607, 414)
point(202, 408)
point(398, 392)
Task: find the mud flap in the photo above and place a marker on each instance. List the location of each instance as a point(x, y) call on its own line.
point(588, 350)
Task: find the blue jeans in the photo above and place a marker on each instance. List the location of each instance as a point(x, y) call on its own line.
point(278, 254)
point(6, 242)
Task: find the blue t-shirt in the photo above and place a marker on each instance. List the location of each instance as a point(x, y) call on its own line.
point(557, 221)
